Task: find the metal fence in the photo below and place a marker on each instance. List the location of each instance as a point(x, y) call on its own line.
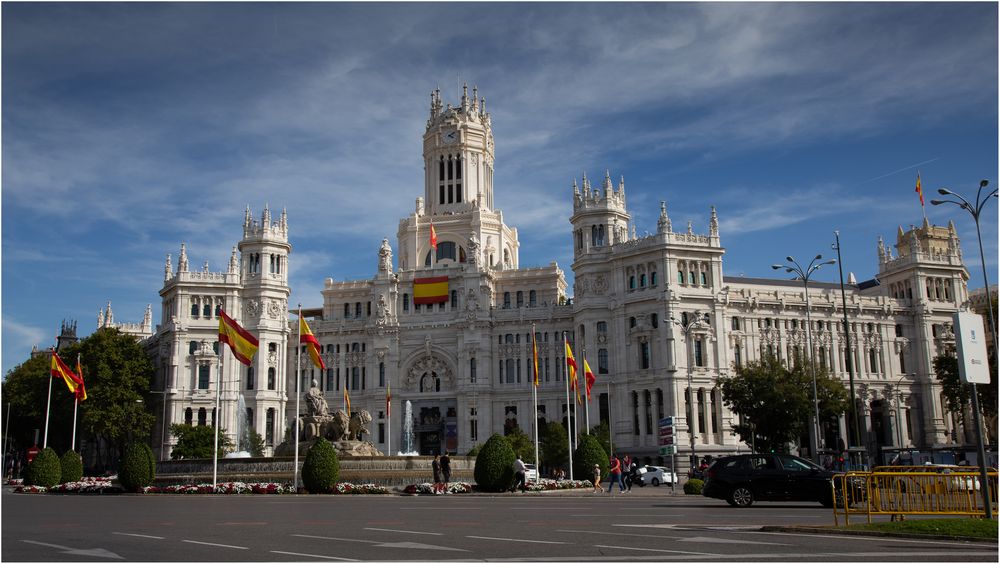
point(911, 490)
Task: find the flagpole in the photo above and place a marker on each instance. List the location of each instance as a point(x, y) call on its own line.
point(48, 406)
point(611, 421)
point(76, 403)
point(534, 396)
point(218, 417)
point(586, 405)
point(569, 435)
point(6, 433)
point(388, 416)
point(298, 394)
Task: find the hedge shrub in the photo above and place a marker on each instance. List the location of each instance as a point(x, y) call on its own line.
point(72, 466)
point(137, 468)
point(693, 486)
point(321, 468)
point(44, 470)
point(588, 453)
point(495, 465)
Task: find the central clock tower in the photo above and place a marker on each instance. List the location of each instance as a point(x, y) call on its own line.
point(458, 155)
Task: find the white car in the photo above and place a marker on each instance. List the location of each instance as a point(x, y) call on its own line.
point(656, 475)
point(530, 473)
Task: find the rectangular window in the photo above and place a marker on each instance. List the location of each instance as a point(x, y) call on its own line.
point(698, 359)
point(644, 352)
point(602, 361)
point(204, 370)
point(269, 427)
point(381, 432)
point(473, 430)
point(472, 370)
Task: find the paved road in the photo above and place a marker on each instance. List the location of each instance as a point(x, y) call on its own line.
point(648, 524)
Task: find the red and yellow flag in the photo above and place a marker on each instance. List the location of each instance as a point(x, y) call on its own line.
point(571, 369)
point(243, 344)
point(306, 337)
point(434, 238)
point(919, 190)
point(347, 402)
point(433, 290)
point(589, 375)
point(81, 390)
point(388, 399)
point(534, 355)
point(60, 370)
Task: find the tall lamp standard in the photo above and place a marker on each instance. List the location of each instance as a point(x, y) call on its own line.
point(974, 211)
point(803, 274)
point(698, 322)
point(849, 356)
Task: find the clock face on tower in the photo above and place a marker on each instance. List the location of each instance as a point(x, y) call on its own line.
point(449, 137)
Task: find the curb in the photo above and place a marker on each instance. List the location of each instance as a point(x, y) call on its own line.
point(853, 532)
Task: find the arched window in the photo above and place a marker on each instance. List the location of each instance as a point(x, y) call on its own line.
point(270, 378)
point(654, 320)
point(680, 277)
point(652, 278)
point(642, 280)
point(520, 298)
point(269, 426)
point(202, 417)
point(532, 298)
point(188, 416)
point(691, 277)
point(737, 356)
point(704, 278)
point(631, 322)
point(631, 282)
point(446, 250)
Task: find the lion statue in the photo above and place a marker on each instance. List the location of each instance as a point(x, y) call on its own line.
point(339, 427)
point(357, 425)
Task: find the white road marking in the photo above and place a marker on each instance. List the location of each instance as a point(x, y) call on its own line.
point(334, 539)
point(617, 534)
point(709, 554)
point(514, 540)
point(89, 552)
point(138, 535)
point(410, 545)
point(313, 555)
point(401, 531)
point(216, 544)
point(728, 541)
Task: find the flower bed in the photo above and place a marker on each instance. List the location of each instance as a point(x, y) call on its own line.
point(234, 488)
point(343, 488)
point(546, 484)
point(85, 485)
point(29, 489)
point(428, 489)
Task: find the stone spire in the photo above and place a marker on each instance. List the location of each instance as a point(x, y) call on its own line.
point(465, 97)
point(265, 220)
point(205, 267)
point(713, 224)
point(606, 187)
point(109, 316)
point(881, 250)
point(247, 220)
point(147, 319)
point(663, 224)
point(182, 260)
point(167, 269)
point(621, 186)
point(283, 222)
point(233, 264)
point(576, 189)
point(690, 228)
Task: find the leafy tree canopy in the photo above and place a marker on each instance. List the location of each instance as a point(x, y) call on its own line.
point(774, 402)
point(958, 396)
point(553, 445)
point(522, 444)
point(198, 441)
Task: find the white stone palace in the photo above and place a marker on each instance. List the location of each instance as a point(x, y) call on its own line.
point(656, 317)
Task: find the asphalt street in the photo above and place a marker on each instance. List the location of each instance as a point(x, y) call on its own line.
point(648, 524)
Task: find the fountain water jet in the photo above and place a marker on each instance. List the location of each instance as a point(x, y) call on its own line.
point(407, 439)
point(242, 432)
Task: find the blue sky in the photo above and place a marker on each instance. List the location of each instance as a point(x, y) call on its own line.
point(129, 128)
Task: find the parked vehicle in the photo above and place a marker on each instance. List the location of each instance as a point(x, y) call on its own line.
point(655, 475)
point(746, 478)
point(530, 473)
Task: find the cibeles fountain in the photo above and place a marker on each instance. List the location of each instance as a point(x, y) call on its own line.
point(343, 431)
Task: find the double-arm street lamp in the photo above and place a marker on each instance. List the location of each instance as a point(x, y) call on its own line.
point(974, 210)
point(697, 323)
point(803, 274)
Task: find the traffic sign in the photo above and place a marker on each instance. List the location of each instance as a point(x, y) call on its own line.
point(667, 421)
point(664, 450)
point(666, 440)
point(666, 431)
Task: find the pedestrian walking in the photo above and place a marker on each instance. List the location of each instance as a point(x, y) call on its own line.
point(519, 475)
point(615, 475)
point(446, 471)
point(597, 479)
point(631, 476)
point(436, 466)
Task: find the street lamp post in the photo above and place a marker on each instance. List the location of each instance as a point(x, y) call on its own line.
point(899, 416)
point(163, 422)
point(686, 331)
point(803, 274)
point(849, 356)
point(974, 211)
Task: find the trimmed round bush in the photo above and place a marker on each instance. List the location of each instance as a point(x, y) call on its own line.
point(693, 486)
point(588, 453)
point(72, 466)
point(135, 471)
point(44, 470)
point(321, 468)
point(495, 465)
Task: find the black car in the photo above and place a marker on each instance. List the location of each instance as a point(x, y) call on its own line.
point(745, 478)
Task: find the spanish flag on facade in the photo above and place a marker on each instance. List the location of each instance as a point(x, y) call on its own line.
point(534, 354)
point(919, 190)
point(434, 237)
point(433, 290)
point(60, 370)
point(589, 375)
point(243, 344)
point(307, 338)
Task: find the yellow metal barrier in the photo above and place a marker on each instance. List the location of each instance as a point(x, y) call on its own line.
point(913, 490)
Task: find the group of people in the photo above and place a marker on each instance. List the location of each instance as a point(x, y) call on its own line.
point(621, 472)
point(441, 465)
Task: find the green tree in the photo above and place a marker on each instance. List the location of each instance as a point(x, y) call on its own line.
point(958, 395)
point(522, 444)
point(588, 453)
point(774, 402)
point(198, 441)
point(494, 470)
point(137, 469)
point(44, 470)
point(72, 466)
point(256, 443)
point(602, 432)
point(25, 393)
point(321, 467)
point(553, 445)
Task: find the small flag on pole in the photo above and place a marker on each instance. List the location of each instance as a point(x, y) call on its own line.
point(434, 238)
point(589, 375)
point(347, 402)
point(920, 190)
point(388, 399)
point(243, 344)
point(534, 355)
point(307, 338)
point(571, 368)
point(81, 390)
point(60, 370)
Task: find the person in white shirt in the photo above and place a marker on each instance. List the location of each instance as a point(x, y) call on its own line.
point(519, 474)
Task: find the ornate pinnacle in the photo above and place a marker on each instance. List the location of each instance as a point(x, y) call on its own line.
point(606, 186)
point(663, 224)
point(233, 265)
point(265, 221)
point(182, 260)
point(167, 268)
point(713, 224)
